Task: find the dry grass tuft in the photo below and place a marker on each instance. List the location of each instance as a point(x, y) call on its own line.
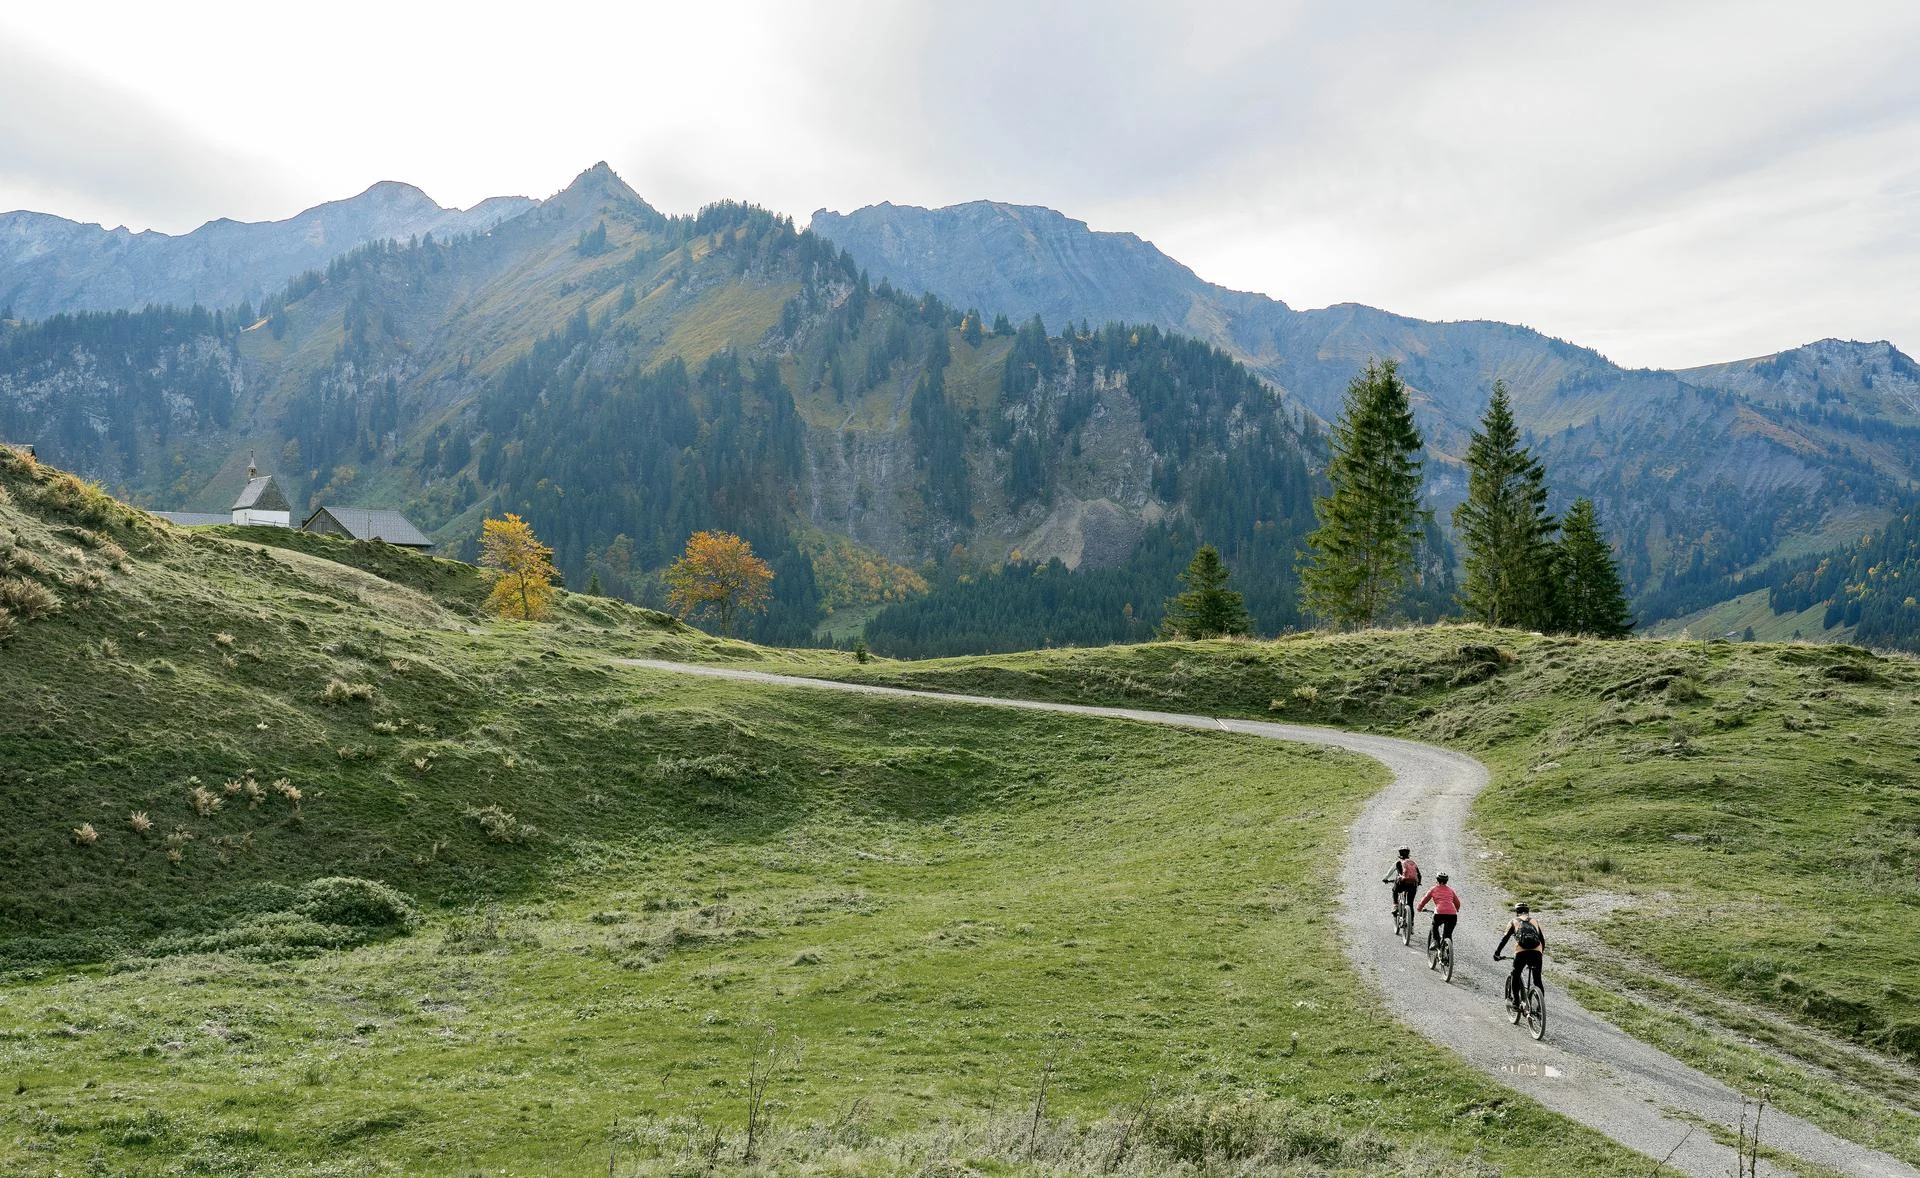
point(29, 600)
point(339, 691)
point(205, 801)
point(85, 834)
point(223, 639)
point(503, 827)
point(140, 822)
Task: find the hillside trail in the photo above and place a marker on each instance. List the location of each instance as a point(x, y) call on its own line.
point(1587, 1068)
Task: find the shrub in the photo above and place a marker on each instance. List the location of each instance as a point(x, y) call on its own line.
point(223, 639)
point(85, 834)
point(1222, 1132)
point(357, 903)
point(140, 822)
point(1307, 693)
point(30, 600)
point(287, 790)
point(503, 827)
point(339, 691)
point(205, 801)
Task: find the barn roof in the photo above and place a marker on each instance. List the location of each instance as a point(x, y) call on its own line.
point(364, 523)
point(192, 519)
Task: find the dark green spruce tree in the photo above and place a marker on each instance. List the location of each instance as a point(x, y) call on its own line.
point(1207, 609)
point(1361, 555)
point(1505, 527)
point(1592, 600)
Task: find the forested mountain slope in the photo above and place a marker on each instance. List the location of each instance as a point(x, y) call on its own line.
point(622, 378)
point(1701, 475)
point(49, 264)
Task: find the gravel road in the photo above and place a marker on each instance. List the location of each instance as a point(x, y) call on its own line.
point(1586, 1068)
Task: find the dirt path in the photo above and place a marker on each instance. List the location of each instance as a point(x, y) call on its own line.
point(1587, 1068)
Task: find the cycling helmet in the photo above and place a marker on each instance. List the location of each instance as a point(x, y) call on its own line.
point(1404, 852)
point(1521, 910)
point(1442, 877)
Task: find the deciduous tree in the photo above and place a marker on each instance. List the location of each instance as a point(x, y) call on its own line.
point(525, 585)
point(1361, 555)
point(718, 576)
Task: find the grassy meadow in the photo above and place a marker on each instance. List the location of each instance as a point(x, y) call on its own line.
point(311, 870)
point(1738, 825)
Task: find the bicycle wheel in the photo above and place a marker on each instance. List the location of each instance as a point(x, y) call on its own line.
point(1516, 1006)
point(1433, 951)
point(1446, 959)
point(1537, 1012)
point(1406, 929)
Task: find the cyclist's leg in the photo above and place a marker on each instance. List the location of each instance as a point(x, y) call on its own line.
point(1536, 959)
point(1514, 979)
point(1443, 924)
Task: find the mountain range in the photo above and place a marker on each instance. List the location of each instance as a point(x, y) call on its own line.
point(967, 392)
point(49, 264)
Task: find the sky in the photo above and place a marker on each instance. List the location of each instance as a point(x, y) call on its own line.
point(1672, 183)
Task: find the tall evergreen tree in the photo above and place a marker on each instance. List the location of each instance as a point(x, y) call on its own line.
point(1208, 609)
point(1504, 526)
point(1362, 553)
point(1592, 601)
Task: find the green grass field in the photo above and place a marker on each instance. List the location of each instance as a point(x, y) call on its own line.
point(1736, 823)
point(605, 894)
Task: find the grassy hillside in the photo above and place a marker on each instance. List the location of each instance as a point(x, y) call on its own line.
point(581, 900)
point(1735, 823)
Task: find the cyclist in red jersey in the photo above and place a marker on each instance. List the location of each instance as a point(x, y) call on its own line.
point(1446, 909)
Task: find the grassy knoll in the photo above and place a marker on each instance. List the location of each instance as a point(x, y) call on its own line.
point(581, 900)
point(1742, 816)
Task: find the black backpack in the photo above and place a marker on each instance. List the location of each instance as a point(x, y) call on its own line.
point(1526, 934)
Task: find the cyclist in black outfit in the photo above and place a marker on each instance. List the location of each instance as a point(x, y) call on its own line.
point(1529, 946)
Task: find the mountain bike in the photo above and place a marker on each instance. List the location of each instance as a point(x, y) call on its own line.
point(1530, 1004)
point(1403, 918)
point(1440, 955)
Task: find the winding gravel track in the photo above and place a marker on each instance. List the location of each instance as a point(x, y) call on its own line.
point(1587, 1068)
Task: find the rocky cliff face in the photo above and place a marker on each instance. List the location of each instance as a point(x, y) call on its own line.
point(49, 264)
point(1025, 260)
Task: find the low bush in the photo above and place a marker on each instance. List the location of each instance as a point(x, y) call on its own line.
point(357, 903)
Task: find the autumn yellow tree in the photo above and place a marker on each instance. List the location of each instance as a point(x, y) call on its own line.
point(525, 585)
point(720, 576)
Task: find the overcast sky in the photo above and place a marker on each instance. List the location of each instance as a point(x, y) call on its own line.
point(1673, 183)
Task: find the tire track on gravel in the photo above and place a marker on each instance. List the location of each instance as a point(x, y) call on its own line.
point(1587, 1068)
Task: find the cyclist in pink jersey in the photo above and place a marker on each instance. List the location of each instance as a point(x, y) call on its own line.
point(1446, 909)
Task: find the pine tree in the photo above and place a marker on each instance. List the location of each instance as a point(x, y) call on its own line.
point(1208, 609)
point(1592, 601)
point(1505, 527)
point(593, 585)
point(1362, 552)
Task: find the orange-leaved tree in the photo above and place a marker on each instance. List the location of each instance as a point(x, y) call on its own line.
point(525, 584)
point(719, 575)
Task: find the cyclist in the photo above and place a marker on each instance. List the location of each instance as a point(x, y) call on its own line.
point(1405, 878)
point(1529, 945)
point(1446, 910)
